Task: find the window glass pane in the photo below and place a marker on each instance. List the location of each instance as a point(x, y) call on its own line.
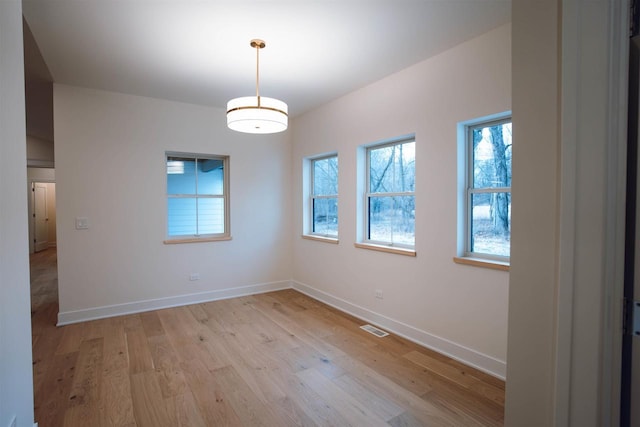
point(381, 169)
point(181, 176)
point(392, 168)
point(182, 216)
point(492, 156)
point(392, 219)
point(210, 215)
point(325, 216)
point(198, 179)
point(491, 223)
point(325, 176)
point(405, 163)
point(210, 176)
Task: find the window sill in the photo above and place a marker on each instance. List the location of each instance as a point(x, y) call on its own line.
point(321, 238)
point(388, 249)
point(483, 263)
point(196, 240)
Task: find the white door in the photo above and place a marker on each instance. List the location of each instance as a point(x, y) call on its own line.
point(41, 217)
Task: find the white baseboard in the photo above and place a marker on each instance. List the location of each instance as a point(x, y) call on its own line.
point(483, 362)
point(76, 316)
point(458, 352)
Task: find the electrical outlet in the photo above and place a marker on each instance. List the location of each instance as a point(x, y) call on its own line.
point(194, 276)
point(378, 294)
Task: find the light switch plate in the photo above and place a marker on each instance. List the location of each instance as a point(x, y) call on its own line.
point(82, 223)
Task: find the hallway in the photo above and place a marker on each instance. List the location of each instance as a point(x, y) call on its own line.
point(44, 279)
point(45, 333)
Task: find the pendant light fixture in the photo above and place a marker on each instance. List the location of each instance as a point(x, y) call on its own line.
point(257, 114)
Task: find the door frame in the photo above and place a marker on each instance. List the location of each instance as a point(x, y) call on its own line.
point(631, 223)
point(576, 382)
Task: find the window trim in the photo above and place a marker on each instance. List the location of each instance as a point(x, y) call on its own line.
point(366, 242)
point(321, 238)
point(225, 196)
point(481, 262)
point(479, 259)
point(386, 248)
point(310, 233)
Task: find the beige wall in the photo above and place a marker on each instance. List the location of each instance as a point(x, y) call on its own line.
point(16, 378)
point(41, 174)
point(457, 309)
point(110, 168)
point(39, 152)
point(39, 103)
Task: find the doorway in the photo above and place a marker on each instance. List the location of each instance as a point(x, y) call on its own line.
point(43, 245)
point(41, 210)
point(44, 215)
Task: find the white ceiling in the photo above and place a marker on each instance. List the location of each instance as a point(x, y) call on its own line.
point(197, 51)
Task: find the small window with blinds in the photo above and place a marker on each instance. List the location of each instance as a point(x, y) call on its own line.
point(197, 197)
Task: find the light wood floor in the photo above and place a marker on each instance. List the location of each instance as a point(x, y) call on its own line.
point(277, 359)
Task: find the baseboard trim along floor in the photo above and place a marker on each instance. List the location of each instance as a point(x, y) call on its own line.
point(69, 317)
point(456, 351)
point(480, 361)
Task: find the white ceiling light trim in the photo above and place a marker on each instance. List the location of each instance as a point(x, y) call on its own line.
point(257, 114)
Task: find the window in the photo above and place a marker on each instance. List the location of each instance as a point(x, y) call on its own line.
point(389, 205)
point(324, 196)
point(488, 190)
point(197, 197)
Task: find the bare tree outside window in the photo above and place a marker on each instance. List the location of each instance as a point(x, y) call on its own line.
point(324, 198)
point(489, 189)
point(391, 194)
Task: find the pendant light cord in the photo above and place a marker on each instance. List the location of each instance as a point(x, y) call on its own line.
point(258, 74)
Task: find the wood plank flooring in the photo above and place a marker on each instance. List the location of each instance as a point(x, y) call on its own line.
point(276, 359)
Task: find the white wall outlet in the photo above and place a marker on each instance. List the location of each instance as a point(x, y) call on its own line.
point(378, 294)
point(194, 276)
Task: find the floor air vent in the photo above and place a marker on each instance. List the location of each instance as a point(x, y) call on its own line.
point(375, 331)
